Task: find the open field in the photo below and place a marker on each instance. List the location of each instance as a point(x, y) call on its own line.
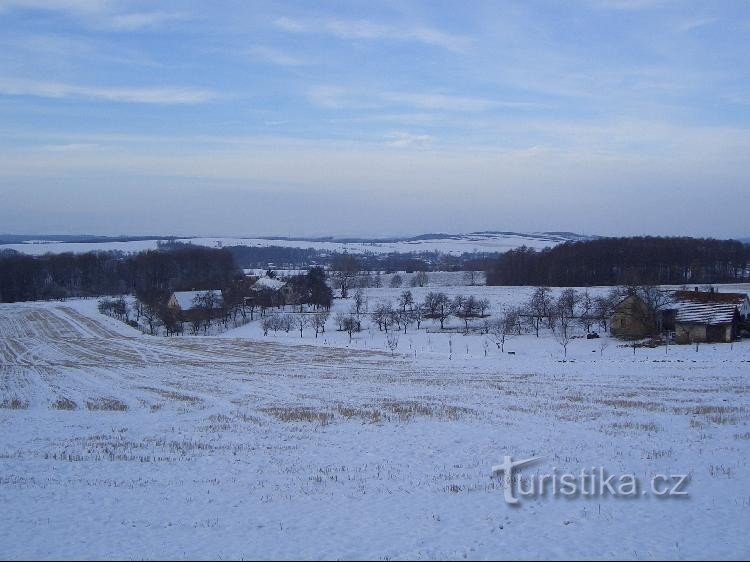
point(116, 444)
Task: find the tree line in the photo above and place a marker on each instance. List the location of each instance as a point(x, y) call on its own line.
point(154, 272)
point(625, 261)
point(237, 301)
point(259, 257)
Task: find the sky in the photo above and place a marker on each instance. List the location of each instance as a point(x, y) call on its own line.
point(242, 118)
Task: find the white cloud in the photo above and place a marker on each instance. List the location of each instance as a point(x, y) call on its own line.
point(402, 139)
point(442, 102)
point(166, 96)
point(367, 30)
point(76, 146)
point(102, 14)
point(626, 5)
point(335, 97)
point(275, 56)
point(290, 25)
point(70, 6)
point(139, 20)
point(689, 25)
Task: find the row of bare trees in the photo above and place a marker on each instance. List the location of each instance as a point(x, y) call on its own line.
point(286, 322)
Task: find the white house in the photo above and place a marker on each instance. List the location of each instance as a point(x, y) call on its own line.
point(185, 301)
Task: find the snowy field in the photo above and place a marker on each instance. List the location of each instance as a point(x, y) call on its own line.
point(121, 445)
point(455, 245)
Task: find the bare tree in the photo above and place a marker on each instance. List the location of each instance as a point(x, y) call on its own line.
point(339, 319)
point(396, 281)
point(538, 307)
point(465, 308)
point(301, 321)
point(345, 269)
point(359, 306)
point(483, 305)
point(419, 314)
point(286, 322)
point(431, 304)
point(443, 308)
point(171, 320)
point(586, 311)
point(567, 301)
point(138, 309)
point(350, 326)
point(505, 326)
point(266, 323)
point(318, 322)
point(196, 321)
point(359, 302)
point(420, 279)
point(206, 306)
point(384, 316)
point(392, 342)
point(563, 329)
point(655, 298)
point(273, 322)
point(405, 317)
point(604, 306)
point(405, 299)
point(150, 313)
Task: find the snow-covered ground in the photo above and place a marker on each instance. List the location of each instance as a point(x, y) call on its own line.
point(454, 245)
point(120, 445)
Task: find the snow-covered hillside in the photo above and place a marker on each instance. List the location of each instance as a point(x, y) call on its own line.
point(454, 244)
point(116, 444)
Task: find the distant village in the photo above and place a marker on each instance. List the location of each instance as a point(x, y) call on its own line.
point(302, 299)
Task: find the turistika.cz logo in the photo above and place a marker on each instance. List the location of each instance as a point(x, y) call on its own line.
point(588, 482)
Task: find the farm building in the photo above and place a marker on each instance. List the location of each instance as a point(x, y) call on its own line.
point(632, 318)
point(707, 316)
point(692, 316)
point(277, 292)
point(185, 302)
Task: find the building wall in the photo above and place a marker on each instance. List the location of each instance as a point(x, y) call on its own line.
point(632, 319)
point(692, 333)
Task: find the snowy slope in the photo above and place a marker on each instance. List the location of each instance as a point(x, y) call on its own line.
point(232, 447)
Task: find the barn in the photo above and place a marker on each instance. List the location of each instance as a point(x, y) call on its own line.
point(708, 316)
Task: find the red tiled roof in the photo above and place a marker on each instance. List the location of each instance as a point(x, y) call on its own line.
point(708, 297)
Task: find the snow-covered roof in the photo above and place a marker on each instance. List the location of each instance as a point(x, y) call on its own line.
point(268, 283)
point(706, 308)
point(185, 299)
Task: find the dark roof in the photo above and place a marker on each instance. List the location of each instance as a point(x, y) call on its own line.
point(713, 309)
point(709, 297)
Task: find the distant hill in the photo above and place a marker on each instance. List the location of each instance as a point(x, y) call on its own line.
point(73, 238)
point(453, 244)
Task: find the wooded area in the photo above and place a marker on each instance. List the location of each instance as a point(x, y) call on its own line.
point(625, 261)
point(55, 276)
